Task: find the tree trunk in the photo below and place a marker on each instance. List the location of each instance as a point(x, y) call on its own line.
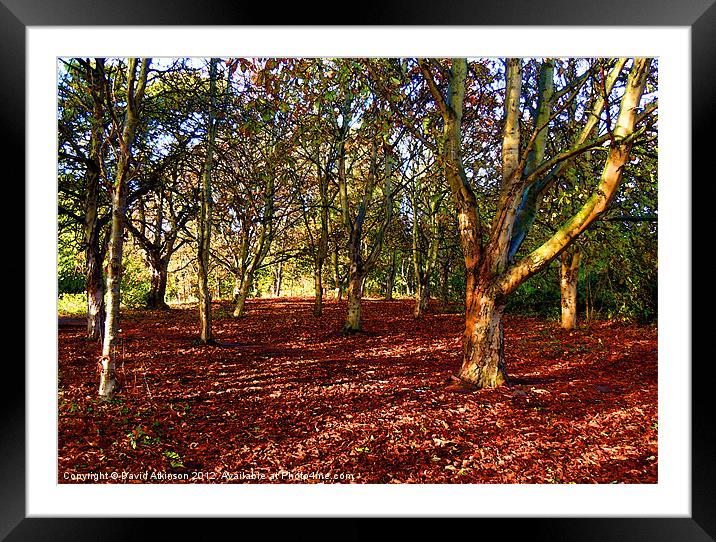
point(360, 266)
point(204, 233)
point(241, 295)
point(318, 287)
point(444, 279)
point(483, 363)
point(390, 282)
point(569, 272)
point(279, 280)
point(95, 294)
point(159, 271)
point(107, 380)
point(589, 301)
point(405, 275)
point(237, 287)
point(337, 275)
point(322, 249)
point(355, 290)
point(95, 252)
point(205, 333)
point(422, 299)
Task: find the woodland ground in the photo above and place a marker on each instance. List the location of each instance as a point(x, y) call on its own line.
point(284, 395)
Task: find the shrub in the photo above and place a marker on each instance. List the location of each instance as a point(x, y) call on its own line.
point(70, 271)
point(72, 304)
point(539, 295)
point(135, 282)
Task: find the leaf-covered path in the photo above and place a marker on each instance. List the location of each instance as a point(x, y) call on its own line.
point(284, 397)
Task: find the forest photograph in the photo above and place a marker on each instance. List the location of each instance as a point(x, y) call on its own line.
point(374, 270)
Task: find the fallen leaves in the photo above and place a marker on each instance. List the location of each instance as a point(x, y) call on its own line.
point(275, 398)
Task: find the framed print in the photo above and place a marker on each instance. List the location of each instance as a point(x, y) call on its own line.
point(38, 34)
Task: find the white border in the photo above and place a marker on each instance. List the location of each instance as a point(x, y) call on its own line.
point(670, 497)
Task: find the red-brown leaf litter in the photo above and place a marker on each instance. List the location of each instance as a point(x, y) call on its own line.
point(284, 397)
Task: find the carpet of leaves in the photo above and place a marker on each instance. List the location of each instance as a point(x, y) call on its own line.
point(284, 397)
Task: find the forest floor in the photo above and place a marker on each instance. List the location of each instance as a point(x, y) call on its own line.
point(284, 397)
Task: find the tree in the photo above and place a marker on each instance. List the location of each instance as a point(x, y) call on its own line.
point(620, 250)
point(425, 204)
point(316, 227)
point(316, 207)
point(159, 222)
point(205, 213)
point(169, 148)
point(340, 274)
point(316, 139)
point(83, 89)
point(255, 192)
point(126, 134)
point(492, 271)
point(635, 201)
point(360, 265)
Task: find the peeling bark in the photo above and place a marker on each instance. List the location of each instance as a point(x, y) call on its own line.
point(483, 364)
point(569, 272)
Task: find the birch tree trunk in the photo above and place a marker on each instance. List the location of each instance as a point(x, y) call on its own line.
point(108, 382)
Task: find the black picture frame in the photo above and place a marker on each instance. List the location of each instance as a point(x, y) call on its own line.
point(699, 15)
